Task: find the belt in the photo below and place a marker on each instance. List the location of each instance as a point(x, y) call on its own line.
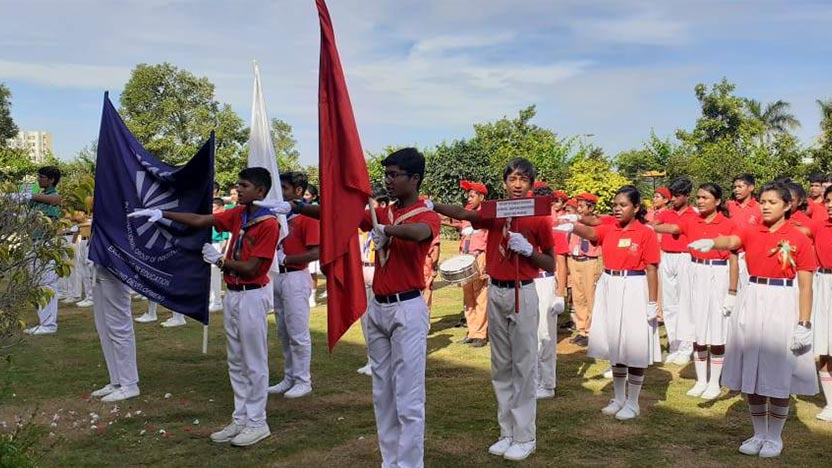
point(771, 281)
point(369, 264)
point(545, 274)
point(582, 258)
point(625, 272)
point(284, 269)
point(827, 271)
point(510, 284)
point(709, 262)
point(398, 297)
point(244, 287)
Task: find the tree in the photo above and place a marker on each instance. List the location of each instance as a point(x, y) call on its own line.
point(15, 163)
point(653, 158)
point(775, 117)
point(460, 160)
point(8, 129)
point(595, 175)
point(723, 116)
point(822, 154)
point(288, 157)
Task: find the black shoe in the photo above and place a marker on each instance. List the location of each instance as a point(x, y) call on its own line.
point(478, 342)
point(582, 341)
point(466, 340)
point(462, 323)
point(574, 339)
point(570, 325)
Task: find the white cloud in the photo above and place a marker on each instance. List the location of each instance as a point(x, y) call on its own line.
point(645, 28)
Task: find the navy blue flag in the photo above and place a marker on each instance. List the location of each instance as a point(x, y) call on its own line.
point(161, 261)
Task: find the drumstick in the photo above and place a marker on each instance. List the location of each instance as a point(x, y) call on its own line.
point(382, 253)
point(516, 283)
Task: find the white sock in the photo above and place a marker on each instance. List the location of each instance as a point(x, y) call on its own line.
point(716, 368)
point(634, 383)
point(759, 419)
point(776, 420)
point(619, 384)
point(700, 363)
point(826, 386)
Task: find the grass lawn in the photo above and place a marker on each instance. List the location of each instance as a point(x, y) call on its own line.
point(186, 395)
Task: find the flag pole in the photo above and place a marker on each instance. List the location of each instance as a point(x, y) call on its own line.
point(205, 339)
point(374, 217)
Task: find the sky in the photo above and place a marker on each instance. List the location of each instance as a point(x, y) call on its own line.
point(424, 71)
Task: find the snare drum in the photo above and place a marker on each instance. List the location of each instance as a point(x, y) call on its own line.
point(459, 269)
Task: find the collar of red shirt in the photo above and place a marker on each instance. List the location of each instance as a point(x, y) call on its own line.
point(763, 228)
point(750, 203)
point(719, 218)
point(630, 227)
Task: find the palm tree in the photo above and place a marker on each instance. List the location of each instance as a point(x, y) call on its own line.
point(775, 117)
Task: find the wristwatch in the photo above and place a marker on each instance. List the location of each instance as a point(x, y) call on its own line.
point(805, 323)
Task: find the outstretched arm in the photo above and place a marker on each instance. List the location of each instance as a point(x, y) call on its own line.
point(456, 212)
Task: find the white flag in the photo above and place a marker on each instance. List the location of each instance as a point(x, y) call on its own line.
point(261, 148)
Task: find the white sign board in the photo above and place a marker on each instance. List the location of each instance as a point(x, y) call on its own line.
point(515, 208)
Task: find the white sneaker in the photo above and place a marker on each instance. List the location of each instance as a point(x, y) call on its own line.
point(544, 393)
point(682, 359)
point(608, 373)
point(70, 300)
point(120, 394)
point(671, 357)
point(826, 414)
point(500, 447)
point(281, 387)
point(172, 322)
point(215, 308)
point(752, 446)
point(104, 391)
point(612, 408)
point(250, 436)
point(627, 412)
point(312, 302)
point(698, 389)
point(85, 303)
point(146, 318)
point(39, 330)
point(298, 390)
point(520, 451)
point(366, 370)
point(227, 433)
point(771, 449)
point(712, 392)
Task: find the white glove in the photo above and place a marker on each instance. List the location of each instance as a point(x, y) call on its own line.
point(518, 243)
point(74, 228)
point(210, 254)
point(151, 214)
point(467, 231)
point(429, 204)
point(558, 305)
point(277, 207)
point(652, 311)
point(728, 304)
point(19, 197)
point(569, 218)
point(801, 339)
point(702, 245)
point(280, 258)
point(380, 239)
point(566, 227)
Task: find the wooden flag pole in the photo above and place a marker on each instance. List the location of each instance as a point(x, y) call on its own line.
point(382, 254)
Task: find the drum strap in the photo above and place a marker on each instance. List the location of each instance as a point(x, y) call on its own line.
point(397, 221)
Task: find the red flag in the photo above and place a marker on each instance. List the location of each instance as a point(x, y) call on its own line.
point(345, 190)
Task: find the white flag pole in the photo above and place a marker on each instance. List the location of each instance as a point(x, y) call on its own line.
point(205, 339)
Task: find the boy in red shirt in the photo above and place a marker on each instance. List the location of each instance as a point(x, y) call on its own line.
point(817, 207)
point(292, 289)
point(585, 269)
point(246, 266)
point(513, 336)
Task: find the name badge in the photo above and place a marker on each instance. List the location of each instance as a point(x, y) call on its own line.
point(624, 243)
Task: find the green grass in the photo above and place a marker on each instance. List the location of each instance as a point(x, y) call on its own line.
point(335, 425)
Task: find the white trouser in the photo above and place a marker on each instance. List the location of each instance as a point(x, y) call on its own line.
point(398, 348)
point(547, 337)
point(85, 268)
point(68, 286)
point(114, 322)
point(48, 315)
point(291, 307)
point(246, 331)
point(673, 273)
point(742, 277)
point(513, 339)
point(369, 272)
point(215, 299)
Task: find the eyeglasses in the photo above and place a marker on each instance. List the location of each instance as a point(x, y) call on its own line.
point(393, 174)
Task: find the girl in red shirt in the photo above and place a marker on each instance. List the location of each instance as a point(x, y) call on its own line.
point(704, 318)
point(768, 355)
point(822, 305)
point(624, 329)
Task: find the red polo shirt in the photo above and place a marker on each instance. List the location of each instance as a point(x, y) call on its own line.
point(404, 270)
point(822, 233)
point(697, 228)
point(762, 246)
point(802, 219)
point(304, 234)
point(679, 243)
point(818, 211)
point(747, 215)
point(260, 241)
point(536, 229)
point(628, 248)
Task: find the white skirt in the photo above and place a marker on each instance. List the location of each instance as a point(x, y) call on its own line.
point(757, 356)
point(822, 314)
point(620, 331)
point(709, 286)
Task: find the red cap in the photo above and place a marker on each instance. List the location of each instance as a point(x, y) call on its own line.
point(560, 194)
point(572, 203)
point(467, 185)
point(663, 191)
point(588, 197)
point(539, 184)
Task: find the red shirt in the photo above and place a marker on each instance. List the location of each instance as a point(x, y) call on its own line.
point(697, 228)
point(762, 246)
point(818, 211)
point(630, 248)
point(578, 247)
point(475, 243)
point(801, 218)
point(744, 216)
point(404, 270)
point(259, 241)
point(679, 243)
point(536, 229)
point(822, 233)
point(304, 233)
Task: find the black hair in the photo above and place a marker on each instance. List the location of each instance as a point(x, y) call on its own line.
point(233, 187)
point(544, 191)
point(218, 201)
point(745, 177)
point(259, 176)
point(680, 186)
point(817, 179)
point(312, 190)
point(380, 195)
point(51, 172)
point(798, 192)
point(521, 165)
point(632, 194)
point(296, 179)
point(216, 186)
point(409, 160)
point(783, 179)
point(827, 192)
point(716, 191)
point(829, 177)
point(782, 191)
